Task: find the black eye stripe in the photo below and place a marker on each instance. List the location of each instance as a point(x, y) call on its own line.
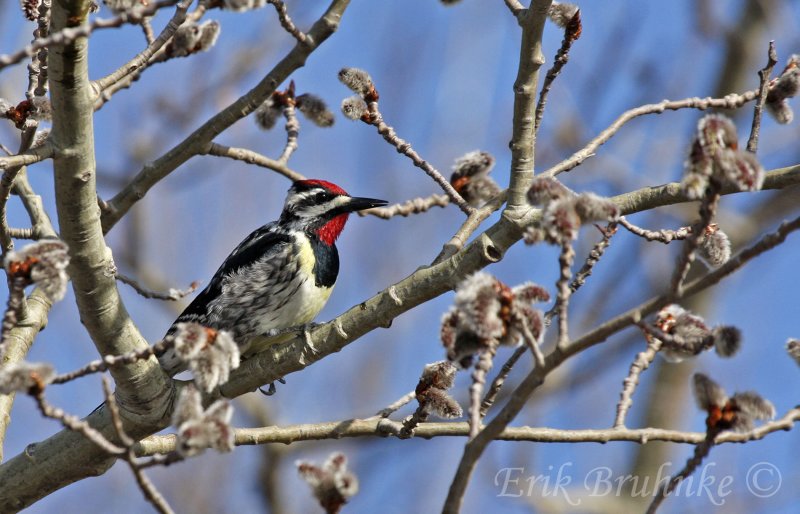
point(312, 202)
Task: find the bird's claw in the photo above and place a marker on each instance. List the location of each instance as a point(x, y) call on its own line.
point(271, 389)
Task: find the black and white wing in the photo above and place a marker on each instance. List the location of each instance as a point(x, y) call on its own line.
point(234, 295)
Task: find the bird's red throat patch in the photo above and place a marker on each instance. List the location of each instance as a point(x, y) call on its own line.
point(329, 232)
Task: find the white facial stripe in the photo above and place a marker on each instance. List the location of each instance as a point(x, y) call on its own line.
point(301, 204)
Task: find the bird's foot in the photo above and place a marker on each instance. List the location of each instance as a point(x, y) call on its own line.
point(298, 329)
point(271, 389)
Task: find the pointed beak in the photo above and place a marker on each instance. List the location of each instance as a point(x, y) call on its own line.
point(359, 204)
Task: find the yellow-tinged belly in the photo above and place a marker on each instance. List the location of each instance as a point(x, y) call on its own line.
point(301, 308)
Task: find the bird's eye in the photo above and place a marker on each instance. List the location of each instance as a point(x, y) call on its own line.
point(320, 197)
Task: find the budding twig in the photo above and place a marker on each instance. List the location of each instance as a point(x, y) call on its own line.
point(149, 490)
point(482, 367)
point(70, 34)
point(396, 405)
point(292, 132)
point(662, 236)
point(108, 361)
point(251, 157)
point(571, 34)
point(732, 101)
point(499, 380)
point(594, 256)
point(286, 21)
point(407, 208)
point(364, 106)
point(701, 451)
point(173, 294)
point(563, 292)
point(708, 209)
point(763, 89)
point(639, 364)
point(405, 148)
point(74, 423)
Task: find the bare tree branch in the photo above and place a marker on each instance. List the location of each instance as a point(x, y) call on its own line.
point(286, 21)
point(763, 88)
point(196, 142)
point(91, 267)
point(475, 448)
point(251, 157)
point(381, 427)
point(523, 138)
point(731, 101)
point(68, 34)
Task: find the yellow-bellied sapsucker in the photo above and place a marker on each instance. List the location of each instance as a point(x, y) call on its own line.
point(280, 276)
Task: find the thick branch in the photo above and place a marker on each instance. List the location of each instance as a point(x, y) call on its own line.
point(63, 459)
point(101, 309)
point(18, 343)
point(427, 283)
point(475, 448)
point(523, 138)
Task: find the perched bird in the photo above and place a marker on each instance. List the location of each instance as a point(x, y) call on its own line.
point(280, 276)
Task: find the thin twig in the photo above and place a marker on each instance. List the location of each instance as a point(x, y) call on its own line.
point(588, 266)
point(411, 422)
point(25, 233)
point(708, 209)
point(413, 206)
point(98, 366)
point(37, 69)
point(731, 101)
point(12, 166)
point(470, 225)
point(405, 148)
point(113, 409)
point(149, 491)
point(163, 445)
point(482, 367)
point(128, 73)
point(497, 384)
point(74, 423)
point(147, 28)
point(499, 380)
point(27, 157)
point(594, 256)
point(763, 89)
point(12, 314)
point(172, 294)
point(286, 21)
point(563, 292)
point(251, 157)
point(571, 34)
point(292, 133)
point(396, 405)
point(70, 34)
point(639, 364)
point(701, 451)
point(662, 236)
